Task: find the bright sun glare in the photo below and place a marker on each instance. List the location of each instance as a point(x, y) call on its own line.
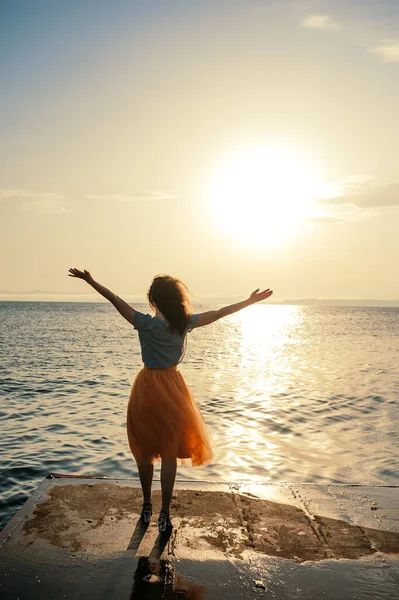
point(260, 194)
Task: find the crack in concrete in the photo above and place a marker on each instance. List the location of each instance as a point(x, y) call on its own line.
point(172, 542)
point(367, 539)
point(315, 526)
point(244, 521)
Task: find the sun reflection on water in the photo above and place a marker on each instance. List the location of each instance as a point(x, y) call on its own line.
point(264, 333)
point(265, 338)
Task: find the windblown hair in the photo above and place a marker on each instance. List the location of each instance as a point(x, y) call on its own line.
point(171, 296)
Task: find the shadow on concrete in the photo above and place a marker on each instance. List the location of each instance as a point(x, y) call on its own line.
point(160, 543)
point(157, 580)
point(137, 536)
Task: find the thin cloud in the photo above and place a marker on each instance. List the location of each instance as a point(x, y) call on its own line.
point(321, 22)
point(366, 196)
point(41, 202)
point(45, 206)
point(20, 193)
point(356, 198)
point(323, 219)
point(387, 50)
point(146, 196)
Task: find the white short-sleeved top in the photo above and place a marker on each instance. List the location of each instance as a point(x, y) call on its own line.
point(160, 348)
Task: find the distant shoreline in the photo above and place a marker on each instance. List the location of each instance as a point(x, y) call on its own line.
point(344, 302)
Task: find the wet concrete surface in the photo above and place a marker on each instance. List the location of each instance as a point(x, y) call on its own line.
point(82, 538)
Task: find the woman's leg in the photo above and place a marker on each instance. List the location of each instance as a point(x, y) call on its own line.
point(146, 472)
point(168, 475)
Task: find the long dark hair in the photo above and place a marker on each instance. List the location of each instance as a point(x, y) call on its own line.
point(170, 296)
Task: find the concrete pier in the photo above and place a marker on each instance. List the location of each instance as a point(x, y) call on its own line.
point(81, 537)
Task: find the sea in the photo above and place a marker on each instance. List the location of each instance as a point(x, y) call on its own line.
point(289, 393)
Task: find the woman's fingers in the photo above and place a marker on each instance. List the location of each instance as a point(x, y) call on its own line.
point(262, 295)
point(76, 273)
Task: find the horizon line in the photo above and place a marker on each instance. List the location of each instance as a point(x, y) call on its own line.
point(88, 299)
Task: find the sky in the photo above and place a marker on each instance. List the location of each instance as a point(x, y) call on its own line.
point(234, 144)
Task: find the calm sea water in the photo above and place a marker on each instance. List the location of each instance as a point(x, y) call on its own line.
point(290, 393)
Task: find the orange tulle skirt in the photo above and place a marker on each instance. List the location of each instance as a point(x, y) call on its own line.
point(163, 420)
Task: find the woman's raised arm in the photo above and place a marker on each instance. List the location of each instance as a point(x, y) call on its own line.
point(206, 318)
point(121, 306)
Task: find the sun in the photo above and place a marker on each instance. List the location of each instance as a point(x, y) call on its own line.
point(262, 193)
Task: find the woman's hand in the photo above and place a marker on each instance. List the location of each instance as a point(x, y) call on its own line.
point(81, 275)
point(257, 296)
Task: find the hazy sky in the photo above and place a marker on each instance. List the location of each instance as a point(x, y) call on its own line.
point(233, 144)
